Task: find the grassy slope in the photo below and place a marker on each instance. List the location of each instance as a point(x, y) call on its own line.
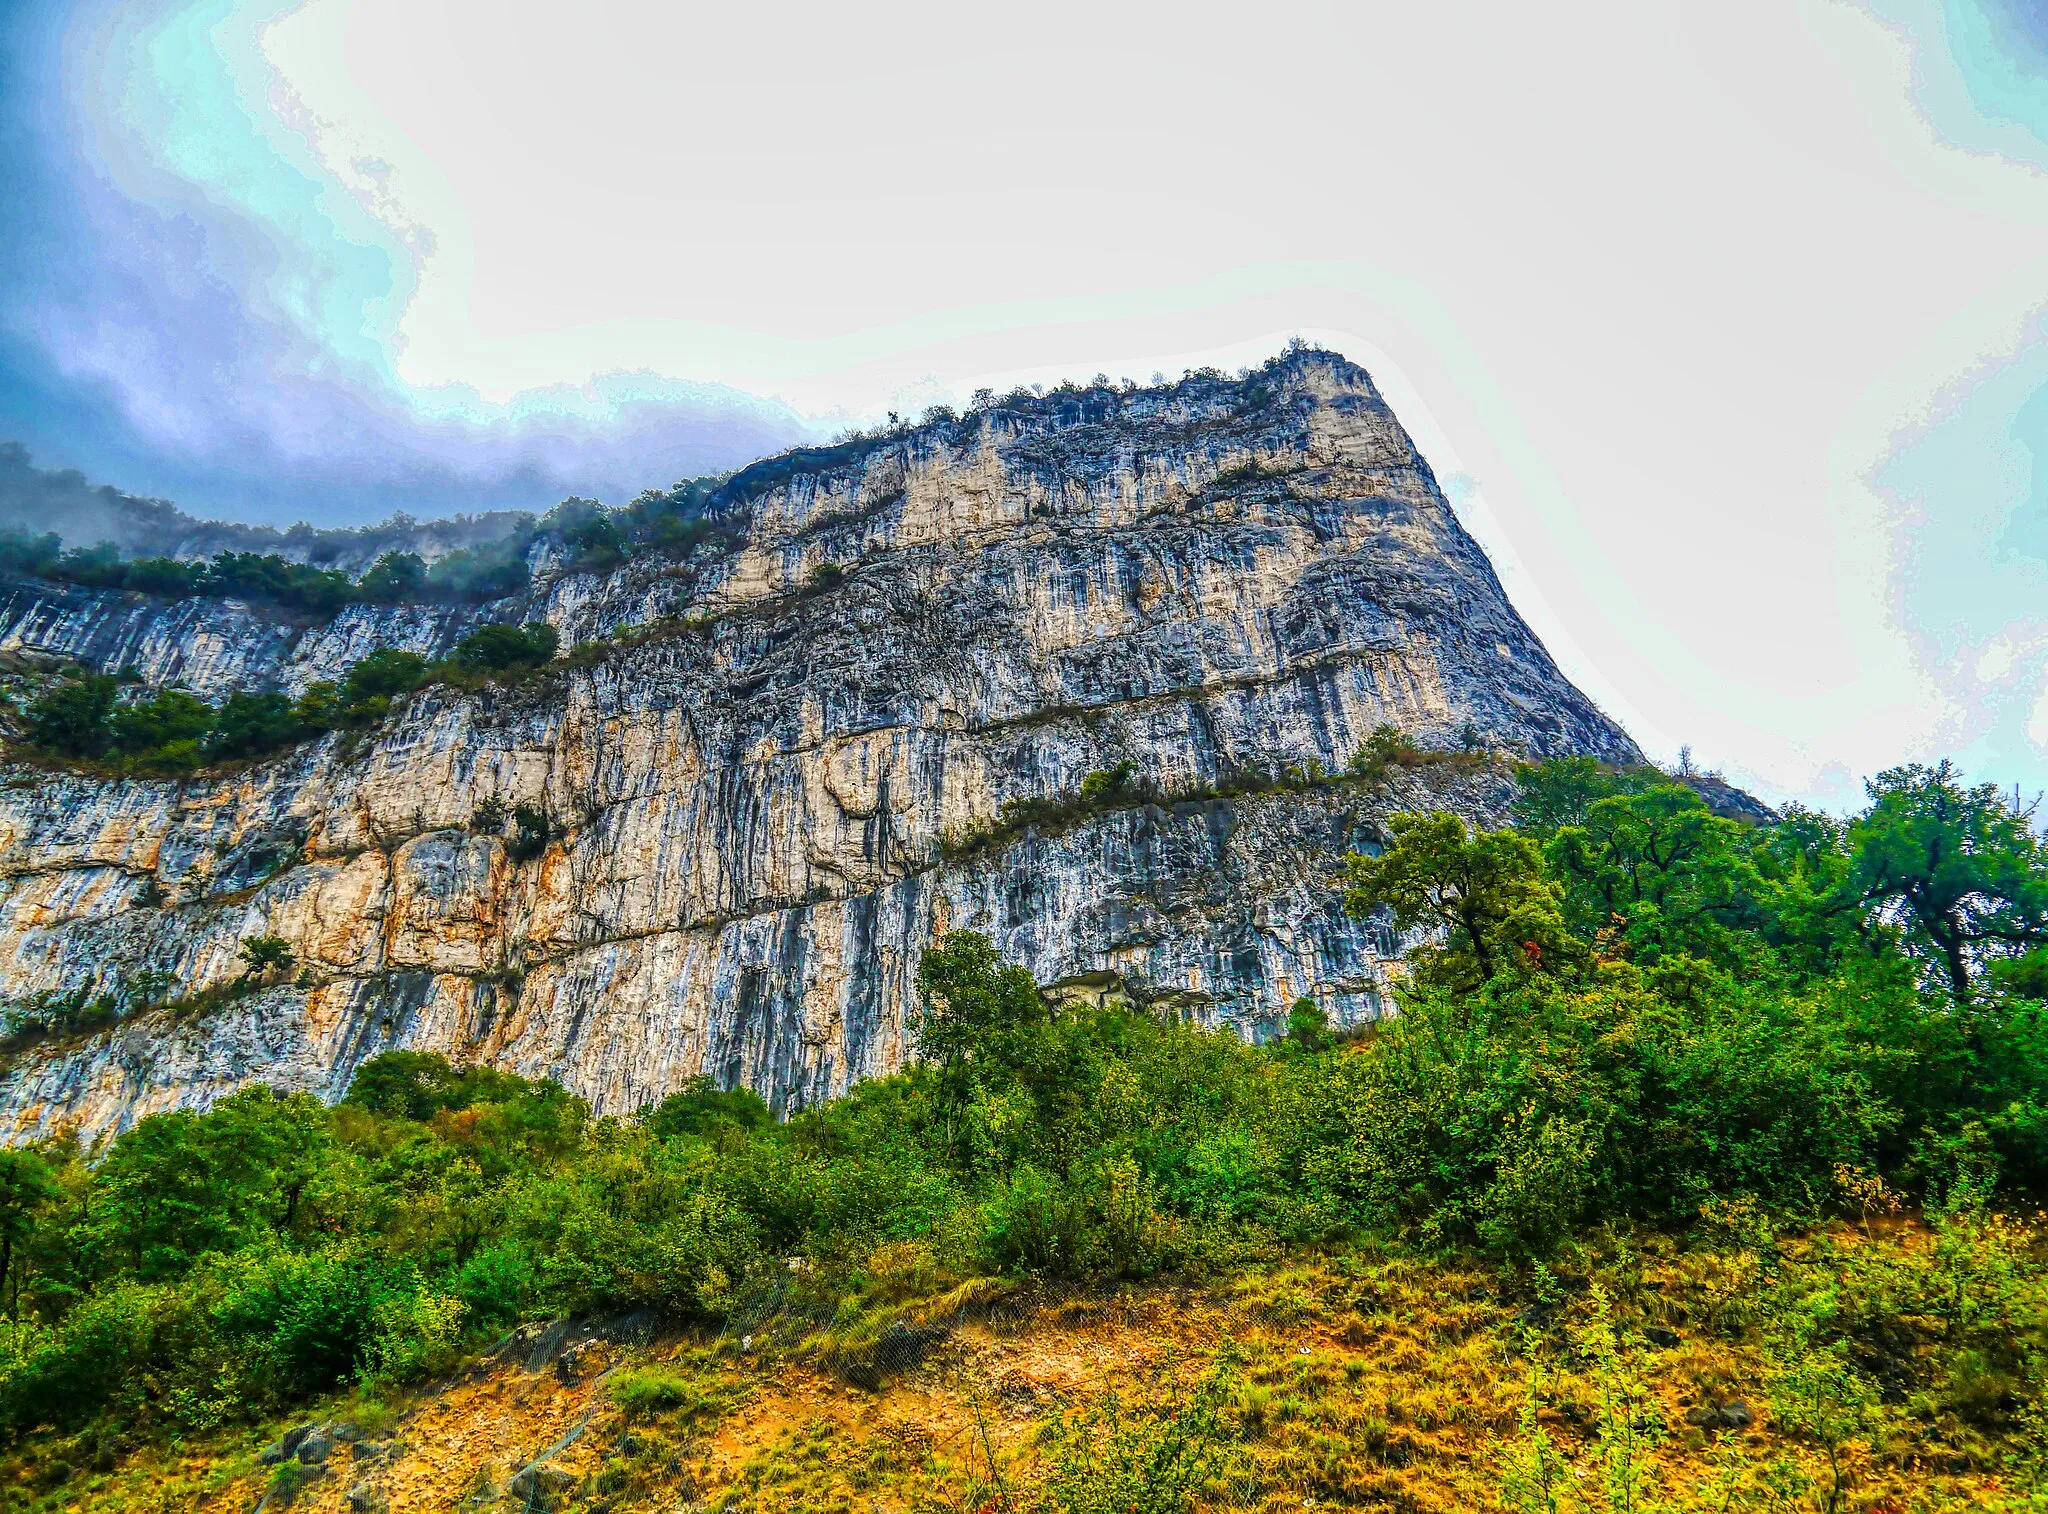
point(1352, 1380)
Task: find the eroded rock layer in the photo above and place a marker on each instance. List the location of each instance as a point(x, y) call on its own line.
point(782, 774)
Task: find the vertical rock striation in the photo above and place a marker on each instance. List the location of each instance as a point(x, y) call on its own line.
point(788, 767)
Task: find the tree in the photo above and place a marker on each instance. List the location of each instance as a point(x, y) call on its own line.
point(27, 1187)
point(1558, 791)
point(395, 576)
point(701, 1107)
point(1308, 1025)
point(173, 715)
point(416, 1085)
point(182, 1184)
point(978, 1023)
point(72, 717)
point(1959, 869)
point(1660, 865)
point(263, 956)
point(972, 1008)
point(251, 724)
point(500, 649)
point(1486, 891)
point(366, 690)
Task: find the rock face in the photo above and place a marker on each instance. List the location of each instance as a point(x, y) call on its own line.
point(767, 798)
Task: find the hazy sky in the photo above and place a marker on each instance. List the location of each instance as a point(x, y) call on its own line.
point(1722, 323)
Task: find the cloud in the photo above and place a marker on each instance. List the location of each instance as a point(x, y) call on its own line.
point(190, 305)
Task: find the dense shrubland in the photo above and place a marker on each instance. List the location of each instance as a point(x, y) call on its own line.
point(1629, 1018)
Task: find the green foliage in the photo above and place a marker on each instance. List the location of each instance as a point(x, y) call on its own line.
point(1118, 1458)
point(489, 572)
point(366, 692)
point(394, 577)
point(701, 1108)
point(500, 649)
point(1961, 866)
point(532, 830)
point(180, 1186)
point(1105, 785)
point(171, 716)
point(1631, 1013)
point(417, 1085)
point(1486, 893)
point(1308, 1026)
point(248, 725)
point(71, 717)
point(265, 957)
point(1387, 747)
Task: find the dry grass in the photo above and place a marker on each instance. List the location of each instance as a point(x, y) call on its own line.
point(1358, 1380)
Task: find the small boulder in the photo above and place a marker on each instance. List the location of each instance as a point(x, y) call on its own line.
point(1732, 1415)
point(363, 1498)
point(541, 1485)
point(580, 1360)
point(316, 1447)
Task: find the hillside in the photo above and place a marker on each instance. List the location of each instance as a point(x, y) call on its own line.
point(1367, 1380)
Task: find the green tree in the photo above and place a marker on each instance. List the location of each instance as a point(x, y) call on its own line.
point(181, 1185)
point(701, 1107)
point(501, 649)
point(370, 685)
point(1959, 869)
point(28, 1186)
point(171, 716)
point(1308, 1025)
point(1485, 891)
point(395, 576)
point(977, 1021)
point(264, 957)
point(249, 725)
point(1661, 866)
point(72, 717)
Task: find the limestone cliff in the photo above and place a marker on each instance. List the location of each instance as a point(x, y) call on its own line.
point(776, 775)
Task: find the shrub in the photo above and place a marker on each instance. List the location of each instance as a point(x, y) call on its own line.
point(532, 831)
point(265, 957)
point(171, 716)
point(1106, 785)
point(248, 725)
point(701, 1107)
point(502, 649)
point(1387, 747)
point(71, 718)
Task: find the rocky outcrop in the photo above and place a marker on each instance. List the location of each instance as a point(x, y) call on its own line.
point(780, 776)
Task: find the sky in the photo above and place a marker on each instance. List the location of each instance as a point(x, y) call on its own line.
point(1725, 326)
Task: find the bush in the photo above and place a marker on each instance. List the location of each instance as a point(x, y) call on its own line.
point(502, 649)
point(1738, 1034)
point(71, 718)
point(248, 725)
point(700, 1107)
point(172, 716)
point(532, 831)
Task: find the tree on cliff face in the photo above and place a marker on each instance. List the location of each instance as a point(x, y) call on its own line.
point(1959, 870)
point(72, 717)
